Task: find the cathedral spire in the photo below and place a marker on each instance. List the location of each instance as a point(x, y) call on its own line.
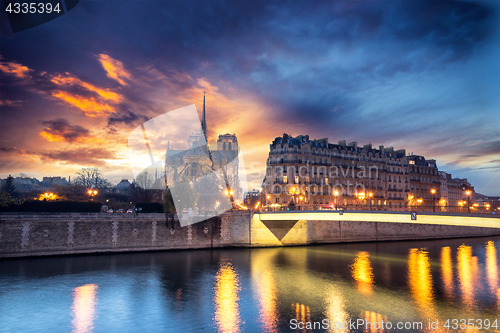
point(204, 120)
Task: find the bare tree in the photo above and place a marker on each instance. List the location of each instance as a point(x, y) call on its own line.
point(91, 178)
point(145, 189)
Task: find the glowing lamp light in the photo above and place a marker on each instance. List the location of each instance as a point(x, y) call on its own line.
point(336, 193)
point(433, 191)
point(301, 198)
point(467, 193)
point(268, 197)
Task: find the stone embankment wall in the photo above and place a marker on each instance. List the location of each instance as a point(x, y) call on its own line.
point(73, 233)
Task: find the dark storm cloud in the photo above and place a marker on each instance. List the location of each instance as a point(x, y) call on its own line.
point(63, 129)
point(128, 118)
point(80, 156)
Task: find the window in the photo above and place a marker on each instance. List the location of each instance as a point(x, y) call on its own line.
point(279, 150)
point(285, 179)
point(296, 179)
point(307, 179)
point(326, 181)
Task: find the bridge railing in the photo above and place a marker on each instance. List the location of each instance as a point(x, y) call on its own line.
point(419, 208)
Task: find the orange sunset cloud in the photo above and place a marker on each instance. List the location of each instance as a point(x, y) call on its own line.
point(114, 68)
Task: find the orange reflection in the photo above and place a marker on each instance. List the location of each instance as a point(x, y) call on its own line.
point(447, 271)
point(374, 322)
point(467, 269)
point(84, 302)
point(492, 266)
point(227, 316)
point(302, 312)
point(268, 310)
point(361, 271)
point(419, 278)
point(420, 284)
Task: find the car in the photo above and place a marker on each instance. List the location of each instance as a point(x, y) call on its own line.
point(110, 211)
point(119, 210)
point(130, 210)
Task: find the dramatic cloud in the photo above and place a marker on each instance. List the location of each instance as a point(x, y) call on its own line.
point(14, 69)
point(128, 118)
point(114, 68)
point(61, 130)
point(69, 81)
point(79, 156)
point(11, 103)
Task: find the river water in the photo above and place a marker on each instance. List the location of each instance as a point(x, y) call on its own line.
point(425, 286)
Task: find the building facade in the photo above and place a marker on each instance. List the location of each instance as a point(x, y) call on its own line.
point(316, 174)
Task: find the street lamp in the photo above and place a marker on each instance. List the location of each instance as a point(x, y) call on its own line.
point(92, 194)
point(336, 194)
point(468, 200)
point(410, 200)
point(370, 195)
point(433, 191)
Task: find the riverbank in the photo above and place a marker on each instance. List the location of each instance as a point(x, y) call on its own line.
point(40, 234)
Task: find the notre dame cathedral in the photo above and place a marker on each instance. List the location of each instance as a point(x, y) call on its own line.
point(199, 161)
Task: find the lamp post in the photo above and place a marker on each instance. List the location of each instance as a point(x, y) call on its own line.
point(410, 200)
point(433, 192)
point(468, 200)
point(336, 194)
point(92, 193)
point(370, 196)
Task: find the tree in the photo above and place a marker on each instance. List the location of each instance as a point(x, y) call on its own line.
point(91, 178)
point(145, 188)
point(168, 202)
point(71, 192)
point(7, 200)
point(9, 187)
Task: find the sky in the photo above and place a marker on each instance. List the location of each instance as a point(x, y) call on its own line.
point(419, 75)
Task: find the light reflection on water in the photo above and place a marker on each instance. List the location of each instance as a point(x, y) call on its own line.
point(362, 272)
point(243, 290)
point(227, 315)
point(84, 308)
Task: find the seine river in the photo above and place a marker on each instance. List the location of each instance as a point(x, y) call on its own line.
point(426, 286)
